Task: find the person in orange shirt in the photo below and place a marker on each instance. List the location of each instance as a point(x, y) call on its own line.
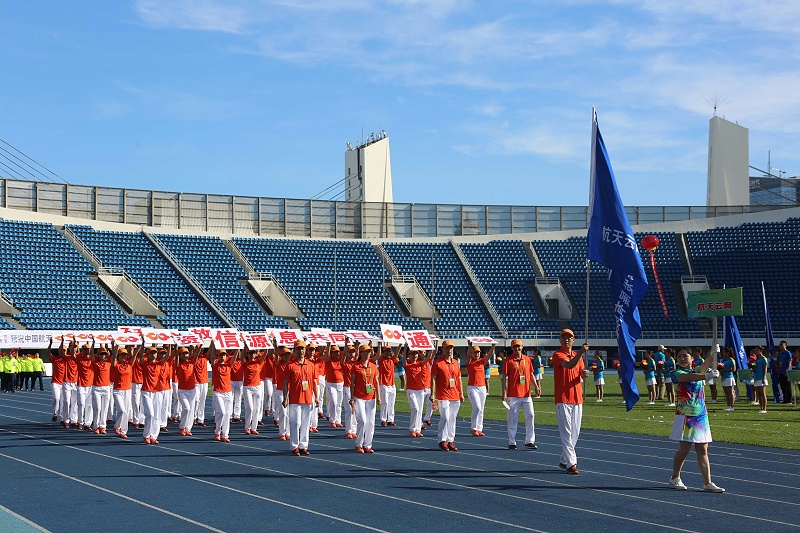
point(267, 384)
point(201, 388)
point(311, 358)
point(363, 386)
point(101, 389)
point(69, 389)
point(319, 360)
point(121, 372)
point(569, 371)
point(515, 383)
point(137, 379)
point(417, 363)
point(222, 397)
point(59, 367)
point(281, 372)
point(299, 387)
point(185, 372)
point(446, 389)
point(85, 382)
point(252, 389)
point(476, 385)
point(237, 384)
point(165, 385)
point(350, 361)
point(175, 407)
point(152, 362)
point(334, 384)
point(386, 387)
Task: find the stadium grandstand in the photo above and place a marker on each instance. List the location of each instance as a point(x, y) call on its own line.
point(84, 257)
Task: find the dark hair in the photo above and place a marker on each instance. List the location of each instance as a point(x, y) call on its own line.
point(685, 348)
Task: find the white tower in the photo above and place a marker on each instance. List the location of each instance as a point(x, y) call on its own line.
point(728, 164)
point(368, 170)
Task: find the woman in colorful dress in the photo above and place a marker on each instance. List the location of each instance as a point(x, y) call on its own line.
point(691, 420)
point(476, 385)
point(649, 369)
point(538, 370)
point(727, 368)
point(760, 380)
point(597, 366)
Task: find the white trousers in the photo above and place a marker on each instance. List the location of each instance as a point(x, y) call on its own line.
point(136, 414)
point(69, 402)
point(85, 413)
point(223, 407)
point(122, 402)
point(151, 406)
point(281, 414)
point(175, 408)
point(448, 412)
point(268, 389)
point(236, 388)
point(187, 399)
point(165, 404)
point(299, 422)
point(252, 405)
point(515, 404)
point(101, 398)
point(335, 392)
point(56, 392)
point(350, 423)
point(415, 404)
point(388, 397)
point(365, 422)
point(320, 393)
point(428, 405)
point(201, 392)
point(477, 397)
point(569, 417)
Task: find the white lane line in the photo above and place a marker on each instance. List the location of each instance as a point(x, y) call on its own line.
point(117, 494)
point(22, 518)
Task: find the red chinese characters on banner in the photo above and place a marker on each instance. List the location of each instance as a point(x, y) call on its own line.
point(318, 337)
point(362, 337)
point(715, 306)
point(129, 329)
point(481, 340)
point(337, 338)
point(203, 333)
point(257, 341)
point(419, 340)
point(227, 339)
point(287, 337)
point(185, 338)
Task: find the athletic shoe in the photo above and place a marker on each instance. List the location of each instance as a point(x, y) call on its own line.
point(474, 432)
point(711, 487)
point(763, 411)
point(531, 445)
point(164, 430)
point(102, 431)
point(391, 424)
point(201, 424)
point(313, 430)
point(452, 446)
point(253, 432)
point(651, 403)
point(428, 423)
point(123, 436)
point(182, 432)
point(753, 403)
point(359, 449)
point(729, 408)
point(671, 404)
point(418, 434)
point(573, 470)
point(55, 418)
point(367, 449)
point(339, 426)
point(296, 452)
point(226, 439)
point(303, 451)
point(153, 441)
point(332, 425)
point(147, 440)
point(444, 447)
point(281, 437)
point(677, 484)
point(117, 431)
point(712, 401)
point(217, 437)
point(481, 434)
point(413, 434)
point(246, 431)
point(96, 431)
point(383, 423)
point(188, 433)
point(512, 446)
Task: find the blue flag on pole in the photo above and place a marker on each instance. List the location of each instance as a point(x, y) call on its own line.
point(611, 242)
point(767, 326)
point(734, 340)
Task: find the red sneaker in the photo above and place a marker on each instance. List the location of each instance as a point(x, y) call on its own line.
point(225, 439)
point(153, 441)
point(475, 433)
point(367, 449)
point(96, 431)
point(359, 449)
point(296, 452)
point(303, 451)
point(216, 437)
point(452, 447)
point(383, 423)
point(246, 431)
point(313, 430)
point(123, 436)
point(102, 431)
point(253, 432)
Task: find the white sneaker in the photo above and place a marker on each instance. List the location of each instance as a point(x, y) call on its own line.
point(671, 404)
point(711, 487)
point(599, 401)
point(729, 408)
point(677, 484)
point(763, 411)
point(712, 401)
point(753, 403)
point(651, 403)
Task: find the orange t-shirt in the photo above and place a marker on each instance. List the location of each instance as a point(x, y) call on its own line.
point(59, 368)
point(333, 371)
point(136, 373)
point(201, 369)
point(70, 370)
point(386, 369)
point(568, 382)
point(85, 373)
point(281, 374)
point(151, 376)
point(122, 376)
point(268, 369)
point(252, 373)
point(476, 372)
point(415, 375)
point(302, 380)
point(165, 375)
point(185, 375)
point(102, 373)
point(237, 371)
point(448, 378)
point(366, 380)
point(519, 374)
point(320, 362)
point(347, 371)
point(221, 377)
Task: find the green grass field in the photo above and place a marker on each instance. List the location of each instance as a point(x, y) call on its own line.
point(779, 428)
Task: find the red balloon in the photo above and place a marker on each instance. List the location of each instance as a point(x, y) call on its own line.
point(650, 242)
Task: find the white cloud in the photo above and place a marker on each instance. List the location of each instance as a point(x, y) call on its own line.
point(206, 15)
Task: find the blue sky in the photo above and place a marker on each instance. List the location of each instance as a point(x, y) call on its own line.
point(484, 102)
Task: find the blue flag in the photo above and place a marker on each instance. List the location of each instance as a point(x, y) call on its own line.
point(767, 326)
point(734, 340)
point(611, 242)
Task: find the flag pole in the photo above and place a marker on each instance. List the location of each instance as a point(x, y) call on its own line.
point(588, 218)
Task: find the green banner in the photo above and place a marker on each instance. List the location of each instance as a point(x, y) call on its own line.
point(793, 375)
point(714, 302)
